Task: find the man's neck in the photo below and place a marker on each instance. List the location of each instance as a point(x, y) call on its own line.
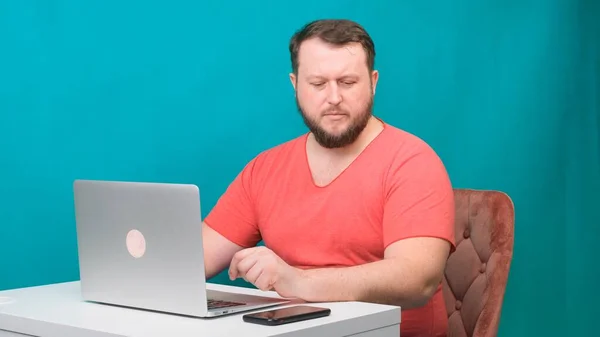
point(370, 132)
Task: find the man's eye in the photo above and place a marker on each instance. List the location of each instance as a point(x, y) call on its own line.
point(348, 83)
point(319, 84)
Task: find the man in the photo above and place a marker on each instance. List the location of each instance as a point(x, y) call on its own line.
point(355, 210)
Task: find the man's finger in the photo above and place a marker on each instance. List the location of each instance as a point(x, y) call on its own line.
point(242, 254)
point(252, 274)
point(246, 264)
point(263, 281)
point(237, 257)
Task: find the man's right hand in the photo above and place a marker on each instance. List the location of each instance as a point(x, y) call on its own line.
point(266, 271)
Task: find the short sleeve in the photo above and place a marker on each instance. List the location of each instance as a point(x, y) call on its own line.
point(234, 216)
point(419, 200)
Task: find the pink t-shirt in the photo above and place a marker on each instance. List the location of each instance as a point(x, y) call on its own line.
point(396, 188)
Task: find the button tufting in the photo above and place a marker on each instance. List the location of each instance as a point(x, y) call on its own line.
point(482, 268)
point(466, 233)
point(458, 305)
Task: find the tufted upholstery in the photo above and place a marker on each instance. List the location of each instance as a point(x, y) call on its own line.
point(477, 271)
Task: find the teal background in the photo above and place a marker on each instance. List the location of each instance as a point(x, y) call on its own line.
point(505, 91)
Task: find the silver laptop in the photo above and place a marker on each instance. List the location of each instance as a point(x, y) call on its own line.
point(140, 246)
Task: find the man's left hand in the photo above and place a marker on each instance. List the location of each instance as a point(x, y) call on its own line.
point(265, 270)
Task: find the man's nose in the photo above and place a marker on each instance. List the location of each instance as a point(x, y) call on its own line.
point(334, 96)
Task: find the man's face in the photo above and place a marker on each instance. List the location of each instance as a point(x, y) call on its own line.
point(334, 91)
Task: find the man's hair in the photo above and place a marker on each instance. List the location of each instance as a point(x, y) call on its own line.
point(336, 32)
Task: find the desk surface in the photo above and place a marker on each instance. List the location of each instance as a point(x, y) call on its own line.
point(57, 310)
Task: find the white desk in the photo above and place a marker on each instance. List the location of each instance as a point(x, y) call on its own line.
point(57, 310)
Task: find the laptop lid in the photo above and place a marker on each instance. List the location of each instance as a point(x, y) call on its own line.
point(140, 245)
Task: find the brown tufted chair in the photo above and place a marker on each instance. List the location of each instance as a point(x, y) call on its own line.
point(477, 271)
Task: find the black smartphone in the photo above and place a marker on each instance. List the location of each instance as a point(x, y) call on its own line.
point(286, 315)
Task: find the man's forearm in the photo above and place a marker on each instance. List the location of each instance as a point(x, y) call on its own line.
point(387, 282)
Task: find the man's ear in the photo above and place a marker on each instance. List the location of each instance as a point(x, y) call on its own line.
point(293, 79)
point(374, 79)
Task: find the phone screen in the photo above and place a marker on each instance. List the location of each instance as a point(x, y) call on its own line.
point(287, 315)
point(287, 312)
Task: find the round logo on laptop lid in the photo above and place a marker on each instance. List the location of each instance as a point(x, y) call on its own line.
point(136, 243)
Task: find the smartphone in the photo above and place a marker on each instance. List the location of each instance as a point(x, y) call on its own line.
point(286, 315)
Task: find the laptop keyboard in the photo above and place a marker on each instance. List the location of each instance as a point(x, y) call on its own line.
point(215, 304)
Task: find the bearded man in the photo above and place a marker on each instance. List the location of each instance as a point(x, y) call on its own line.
point(354, 210)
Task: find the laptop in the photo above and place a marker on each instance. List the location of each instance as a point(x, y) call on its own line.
point(140, 246)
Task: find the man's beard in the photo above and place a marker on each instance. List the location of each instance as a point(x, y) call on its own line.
point(347, 137)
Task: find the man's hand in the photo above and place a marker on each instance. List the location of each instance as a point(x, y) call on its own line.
point(265, 270)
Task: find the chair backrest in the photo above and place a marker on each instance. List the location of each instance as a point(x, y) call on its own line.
point(477, 271)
